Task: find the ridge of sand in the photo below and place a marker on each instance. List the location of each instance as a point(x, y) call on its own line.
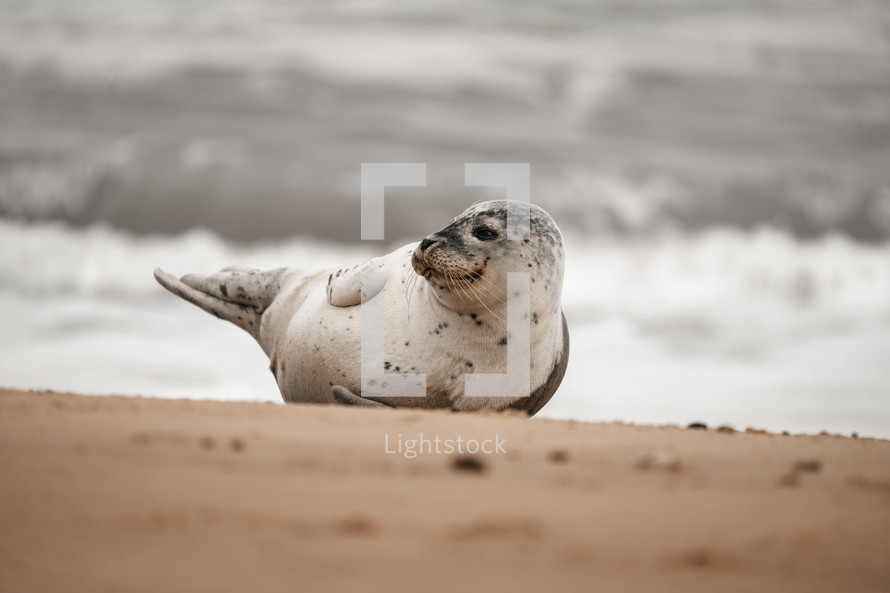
point(133, 494)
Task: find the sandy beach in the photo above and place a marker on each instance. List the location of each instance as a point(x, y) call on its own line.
point(139, 494)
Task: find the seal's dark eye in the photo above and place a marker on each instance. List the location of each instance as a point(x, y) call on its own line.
point(484, 233)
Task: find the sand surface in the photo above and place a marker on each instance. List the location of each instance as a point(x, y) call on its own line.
point(127, 494)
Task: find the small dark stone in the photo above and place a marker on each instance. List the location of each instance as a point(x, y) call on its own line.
point(558, 456)
point(725, 428)
point(355, 526)
point(469, 464)
point(236, 444)
point(810, 466)
point(659, 459)
point(698, 425)
point(699, 557)
point(788, 480)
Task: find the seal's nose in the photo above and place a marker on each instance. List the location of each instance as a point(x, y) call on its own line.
point(426, 243)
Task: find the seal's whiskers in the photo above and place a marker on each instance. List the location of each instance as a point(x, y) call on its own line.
point(455, 285)
point(479, 300)
point(483, 290)
point(409, 289)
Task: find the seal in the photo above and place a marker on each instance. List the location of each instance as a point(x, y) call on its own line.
point(445, 303)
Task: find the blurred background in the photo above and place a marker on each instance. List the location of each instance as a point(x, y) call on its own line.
point(720, 170)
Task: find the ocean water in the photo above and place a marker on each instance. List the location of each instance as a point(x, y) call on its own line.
point(158, 116)
point(745, 328)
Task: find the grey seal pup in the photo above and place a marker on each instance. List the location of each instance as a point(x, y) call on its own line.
point(445, 302)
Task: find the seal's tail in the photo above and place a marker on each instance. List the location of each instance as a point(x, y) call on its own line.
point(239, 295)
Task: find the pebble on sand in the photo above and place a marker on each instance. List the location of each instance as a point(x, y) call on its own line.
point(558, 456)
point(468, 464)
point(659, 459)
point(811, 466)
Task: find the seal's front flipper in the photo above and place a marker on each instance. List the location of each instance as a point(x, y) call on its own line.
point(243, 315)
point(352, 286)
point(346, 397)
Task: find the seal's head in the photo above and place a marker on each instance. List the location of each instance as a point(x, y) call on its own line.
point(467, 262)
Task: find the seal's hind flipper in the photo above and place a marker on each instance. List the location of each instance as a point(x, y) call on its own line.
point(244, 286)
point(244, 316)
point(346, 397)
